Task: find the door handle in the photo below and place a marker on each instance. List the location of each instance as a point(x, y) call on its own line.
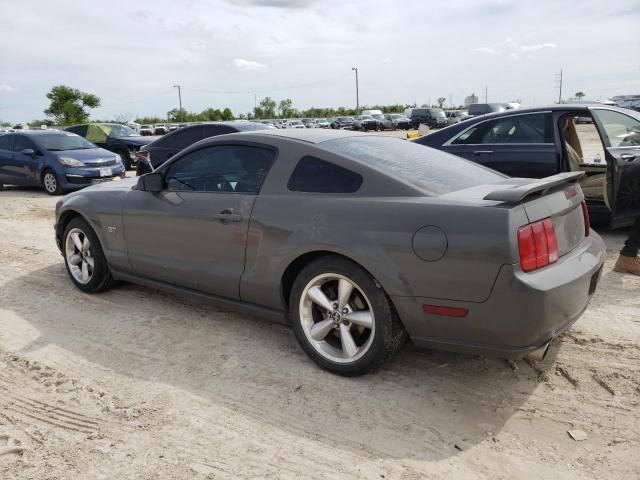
point(227, 215)
point(481, 152)
point(627, 157)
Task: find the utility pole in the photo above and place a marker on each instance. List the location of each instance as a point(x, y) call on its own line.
point(355, 69)
point(450, 101)
point(560, 94)
point(179, 95)
point(486, 94)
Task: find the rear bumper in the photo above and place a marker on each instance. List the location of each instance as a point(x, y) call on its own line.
point(523, 311)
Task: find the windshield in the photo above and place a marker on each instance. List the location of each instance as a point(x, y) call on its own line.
point(122, 131)
point(395, 116)
point(438, 113)
point(432, 171)
point(377, 115)
point(64, 141)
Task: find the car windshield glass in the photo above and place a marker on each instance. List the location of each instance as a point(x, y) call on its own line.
point(122, 131)
point(64, 141)
point(432, 171)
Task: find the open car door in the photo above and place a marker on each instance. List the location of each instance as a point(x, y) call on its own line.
point(620, 133)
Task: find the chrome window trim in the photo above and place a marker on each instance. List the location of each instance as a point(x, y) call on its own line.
point(449, 142)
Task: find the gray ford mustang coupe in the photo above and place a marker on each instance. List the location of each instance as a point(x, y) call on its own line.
point(360, 240)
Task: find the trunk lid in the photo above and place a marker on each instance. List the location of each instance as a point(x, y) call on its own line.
point(558, 197)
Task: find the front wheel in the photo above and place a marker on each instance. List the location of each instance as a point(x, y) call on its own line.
point(50, 183)
point(83, 256)
point(342, 318)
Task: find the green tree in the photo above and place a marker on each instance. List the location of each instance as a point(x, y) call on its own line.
point(178, 115)
point(285, 108)
point(579, 95)
point(70, 105)
point(227, 114)
point(441, 101)
point(268, 106)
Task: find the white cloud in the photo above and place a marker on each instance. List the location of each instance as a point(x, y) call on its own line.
point(537, 46)
point(487, 50)
point(248, 65)
point(5, 87)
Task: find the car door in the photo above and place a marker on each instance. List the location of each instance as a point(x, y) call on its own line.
point(620, 134)
point(520, 145)
point(25, 166)
point(193, 233)
point(6, 154)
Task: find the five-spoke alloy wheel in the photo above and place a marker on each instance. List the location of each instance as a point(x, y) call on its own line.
point(342, 317)
point(83, 257)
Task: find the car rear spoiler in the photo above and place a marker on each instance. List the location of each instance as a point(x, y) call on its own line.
point(520, 188)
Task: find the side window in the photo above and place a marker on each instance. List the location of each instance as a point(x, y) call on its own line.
point(620, 130)
point(313, 175)
point(78, 130)
point(186, 137)
point(213, 130)
point(531, 128)
point(224, 168)
point(21, 142)
point(6, 141)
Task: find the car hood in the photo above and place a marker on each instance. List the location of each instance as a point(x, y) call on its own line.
point(138, 141)
point(88, 155)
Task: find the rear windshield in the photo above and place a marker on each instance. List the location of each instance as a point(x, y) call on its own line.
point(433, 171)
point(63, 141)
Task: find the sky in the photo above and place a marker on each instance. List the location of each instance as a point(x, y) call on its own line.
point(226, 53)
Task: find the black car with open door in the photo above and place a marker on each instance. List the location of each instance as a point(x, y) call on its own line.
point(539, 142)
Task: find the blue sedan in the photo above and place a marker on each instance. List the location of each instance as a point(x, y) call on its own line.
point(57, 161)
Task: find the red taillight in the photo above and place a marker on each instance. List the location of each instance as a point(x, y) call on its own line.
point(143, 154)
point(537, 244)
point(445, 311)
point(587, 221)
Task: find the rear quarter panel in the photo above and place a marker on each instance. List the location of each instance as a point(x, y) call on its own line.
point(378, 233)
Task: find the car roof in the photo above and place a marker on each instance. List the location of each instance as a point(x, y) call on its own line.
point(42, 132)
point(314, 135)
point(563, 107)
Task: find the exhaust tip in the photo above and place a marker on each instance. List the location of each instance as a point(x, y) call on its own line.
point(539, 353)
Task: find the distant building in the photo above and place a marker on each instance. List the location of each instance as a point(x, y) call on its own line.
point(470, 99)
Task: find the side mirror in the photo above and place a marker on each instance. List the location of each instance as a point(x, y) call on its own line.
point(28, 151)
point(151, 182)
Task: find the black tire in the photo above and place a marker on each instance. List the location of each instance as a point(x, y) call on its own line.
point(388, 335)
point(126, 160)
point(1, 187)
point(50, 183)
point(101, 278)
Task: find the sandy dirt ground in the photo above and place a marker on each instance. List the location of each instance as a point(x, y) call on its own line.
point(134, 383)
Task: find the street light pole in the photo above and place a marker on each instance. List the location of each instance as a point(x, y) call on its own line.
point(355, 69)
point(179, 95)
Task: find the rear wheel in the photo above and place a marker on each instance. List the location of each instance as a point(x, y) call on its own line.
point(83, 256)
point(50, 183)
point(342, 317)
point(126, 159)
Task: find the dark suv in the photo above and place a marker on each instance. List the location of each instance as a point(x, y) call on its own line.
point(433, 117)
point(153, 155)
point(476, 109)
point(115, 137)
